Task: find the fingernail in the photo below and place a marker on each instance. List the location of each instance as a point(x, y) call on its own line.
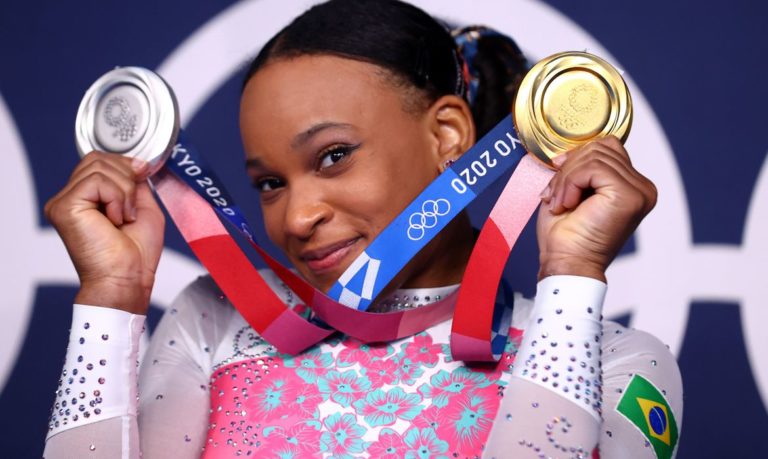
point(132, 214)
point(545, 193)
point(138, 165)
point(553, 204)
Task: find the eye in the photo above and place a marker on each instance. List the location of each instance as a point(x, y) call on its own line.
point(332, 155)
point(267, 184)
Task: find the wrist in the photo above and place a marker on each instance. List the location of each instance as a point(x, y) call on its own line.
point(570, 266)
point(116, 295)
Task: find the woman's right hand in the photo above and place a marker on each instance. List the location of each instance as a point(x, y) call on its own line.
point(113, 230)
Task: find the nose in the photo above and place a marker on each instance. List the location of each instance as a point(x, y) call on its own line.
point(305, 212)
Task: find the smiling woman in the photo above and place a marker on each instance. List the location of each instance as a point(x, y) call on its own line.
point(347, 114)
point(333, 169)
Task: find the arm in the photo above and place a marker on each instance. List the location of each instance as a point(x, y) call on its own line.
point(113, 231)
point(94, 414)
point(589, 209)
point(556, 402)
point(172, 385)
point(553, 399)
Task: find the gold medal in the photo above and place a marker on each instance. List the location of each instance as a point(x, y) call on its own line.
point(569, 99)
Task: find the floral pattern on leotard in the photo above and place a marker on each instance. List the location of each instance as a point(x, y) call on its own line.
point(347, 399)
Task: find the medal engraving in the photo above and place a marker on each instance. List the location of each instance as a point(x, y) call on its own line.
point(118, 115)
point(577, 108)
point(129, 111)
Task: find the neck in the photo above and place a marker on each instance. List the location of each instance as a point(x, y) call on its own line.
point(443, 261)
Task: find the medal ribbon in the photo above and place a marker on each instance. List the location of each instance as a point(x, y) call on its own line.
point(194, 196)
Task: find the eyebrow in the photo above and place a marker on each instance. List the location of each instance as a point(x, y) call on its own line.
point(252, 163)
point(305, 136)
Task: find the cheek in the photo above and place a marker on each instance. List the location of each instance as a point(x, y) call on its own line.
point(396, 183)
point(272, 216)
point(373, 204)
point(378, 198)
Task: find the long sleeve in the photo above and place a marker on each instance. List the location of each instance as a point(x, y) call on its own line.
point(94, 414)
point(170, 393)
point(572, 378)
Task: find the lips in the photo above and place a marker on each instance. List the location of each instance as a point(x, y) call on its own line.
point(329, 257)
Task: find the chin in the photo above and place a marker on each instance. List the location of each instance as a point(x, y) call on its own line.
point(320, 281)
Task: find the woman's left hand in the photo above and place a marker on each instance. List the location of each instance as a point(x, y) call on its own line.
point(590, 208)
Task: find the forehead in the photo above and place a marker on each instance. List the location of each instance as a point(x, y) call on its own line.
point(307, 90)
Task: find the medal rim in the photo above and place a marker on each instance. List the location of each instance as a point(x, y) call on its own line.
point(162, 130)
point(534, 130)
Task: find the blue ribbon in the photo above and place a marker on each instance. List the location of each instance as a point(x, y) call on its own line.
point(190, 166)
point(498, 151)
point(450, 193)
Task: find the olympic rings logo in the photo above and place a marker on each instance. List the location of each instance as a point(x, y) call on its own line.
point(419, 222)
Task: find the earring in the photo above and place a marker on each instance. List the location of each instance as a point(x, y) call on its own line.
point(449, 163)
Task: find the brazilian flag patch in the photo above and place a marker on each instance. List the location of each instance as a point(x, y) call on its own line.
point(647, 408)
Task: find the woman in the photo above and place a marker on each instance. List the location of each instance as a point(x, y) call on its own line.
point(346, 115)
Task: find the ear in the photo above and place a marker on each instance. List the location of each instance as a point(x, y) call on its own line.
point(451, 128)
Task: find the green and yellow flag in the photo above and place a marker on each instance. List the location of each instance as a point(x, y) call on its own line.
point(647, 408)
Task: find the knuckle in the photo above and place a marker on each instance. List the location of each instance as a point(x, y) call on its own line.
point(653, 195)
point(89, 161)
point(97, 154)
point(97, 176)
point(99, 166)
point(614, 146)
point(90, 158)
point(593, 150)
point(613, 142)
point(643, 202)
point(635, 203)
point(640, 202)
point(594, 163)
point(580, 151)
point(99, 159)
point(53, 211)
point(48, 209)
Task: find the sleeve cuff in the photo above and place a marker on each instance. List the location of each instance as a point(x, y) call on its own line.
point(99, 377)
point(566, 290)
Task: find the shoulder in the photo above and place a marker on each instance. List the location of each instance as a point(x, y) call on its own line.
point(200, 299)
point(203, 294)
point(203, 325)
point(628, 350)
point(640, 375)
point(202, 288)
point(203, 312)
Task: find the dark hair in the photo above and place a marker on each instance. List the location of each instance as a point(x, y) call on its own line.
point(407, 42)
point(499, 66)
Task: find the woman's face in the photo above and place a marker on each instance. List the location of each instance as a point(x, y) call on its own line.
point(334, 156)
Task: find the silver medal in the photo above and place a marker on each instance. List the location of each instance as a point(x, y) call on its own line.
point(129, 111)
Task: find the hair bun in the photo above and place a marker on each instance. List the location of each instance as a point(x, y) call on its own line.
point(493, 68)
